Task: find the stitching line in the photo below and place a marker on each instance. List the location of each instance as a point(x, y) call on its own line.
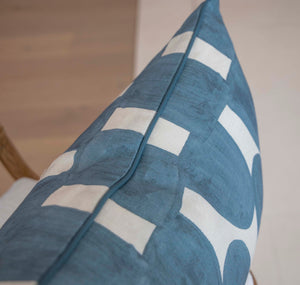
point(73, 243)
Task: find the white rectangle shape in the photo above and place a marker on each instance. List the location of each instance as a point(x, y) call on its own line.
point(135, 119)
point(61, 164)
point(125, 224)
point(168, 136)
point(240, 134)
point(201, 51)
point(78, 196)
point(178, 44)
point(210, 56)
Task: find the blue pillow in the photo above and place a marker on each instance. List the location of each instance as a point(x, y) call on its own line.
point(165, 186)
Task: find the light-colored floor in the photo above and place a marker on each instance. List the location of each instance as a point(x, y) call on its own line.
point(61, 63)
point(266, 38)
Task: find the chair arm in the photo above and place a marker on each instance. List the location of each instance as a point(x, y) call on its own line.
point(12, 160)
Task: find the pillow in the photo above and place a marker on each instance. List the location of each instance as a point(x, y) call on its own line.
point(164, 187)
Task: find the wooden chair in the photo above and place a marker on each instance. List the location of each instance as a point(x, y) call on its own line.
point(12, 160)
point(253, 277)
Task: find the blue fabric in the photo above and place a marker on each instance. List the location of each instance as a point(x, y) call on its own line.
point(64, 245)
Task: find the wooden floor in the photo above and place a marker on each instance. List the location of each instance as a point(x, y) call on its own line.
point(61, 63)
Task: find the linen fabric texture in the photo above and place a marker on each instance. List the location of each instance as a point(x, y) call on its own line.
point(164, 187)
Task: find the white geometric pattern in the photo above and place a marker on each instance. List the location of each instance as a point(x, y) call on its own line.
point(201, 51)
point(178, 44)
point(165, 135)
point(219, 231)
point(215, 227)
point(78, 196)
point(135, 119)
point(168, 136)
point(61, 164)
point(125, 224)
point(240, 134)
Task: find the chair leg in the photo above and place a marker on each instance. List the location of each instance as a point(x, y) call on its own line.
point(253, 277)
point(12, 160)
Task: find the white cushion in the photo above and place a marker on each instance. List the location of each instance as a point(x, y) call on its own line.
point(14, 196)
